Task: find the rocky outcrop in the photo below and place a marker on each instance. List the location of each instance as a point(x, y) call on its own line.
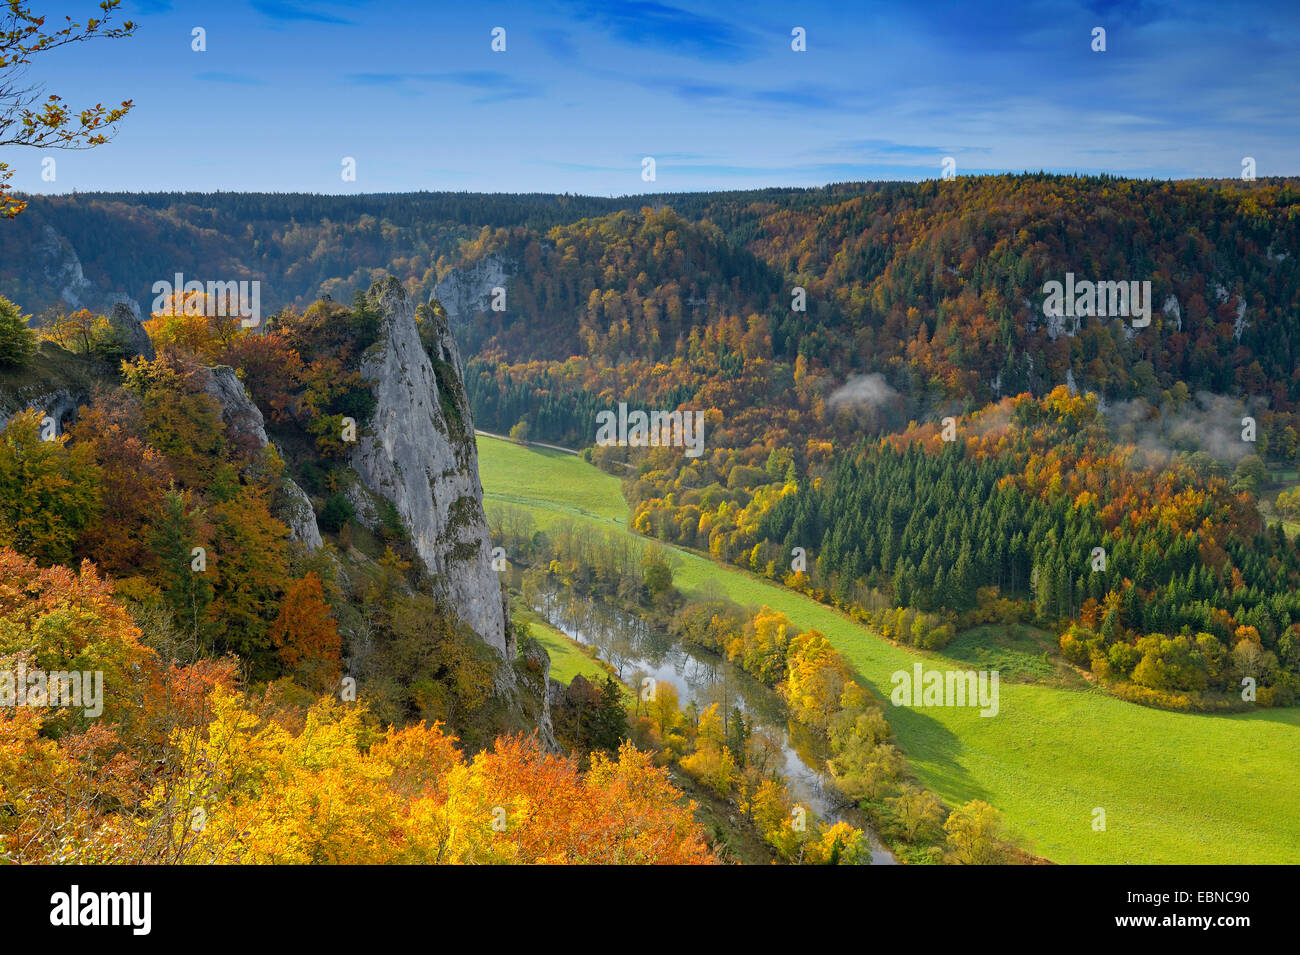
point(243, 419)
point(294, 508)
point(535, 677)
point(247, 430)
point(1222, 295)
point(466, 291)
point(62, 268)
point(1173, 310)
point(418, 452)
point(126, 318)
point(54, 382)
point(60, 404)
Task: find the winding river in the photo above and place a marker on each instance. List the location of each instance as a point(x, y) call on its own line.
point(636, 650)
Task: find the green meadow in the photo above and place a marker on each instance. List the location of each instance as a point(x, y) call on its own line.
point(1175, 788)
point(567, 656)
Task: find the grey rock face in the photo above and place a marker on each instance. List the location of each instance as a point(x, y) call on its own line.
point(127, 319)
point(62, 268)
point(247, 427)
point(1172, 309)
point(296, 511)
point(418, 451)
point(243, 419)
point(60, 404)
point(537, 666)
point(465, 292)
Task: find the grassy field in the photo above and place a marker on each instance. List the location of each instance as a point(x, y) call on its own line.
point(1019, 652)
point(567, 656)
point(552, 481)
point(1176, 788)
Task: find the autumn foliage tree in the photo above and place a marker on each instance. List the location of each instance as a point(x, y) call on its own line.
point(134, 479)
point(49, 489)
point(180, 419)
point(327, 789)
point(249, 568)
point(61, 619)
point(196, 324)
point(975, 835)
point(305, 634)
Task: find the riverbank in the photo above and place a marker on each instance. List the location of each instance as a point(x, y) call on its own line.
point(637, 651)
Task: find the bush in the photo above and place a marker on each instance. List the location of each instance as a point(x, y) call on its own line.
point(939, 637)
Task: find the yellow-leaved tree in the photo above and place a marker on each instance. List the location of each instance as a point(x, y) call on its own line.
point(257, 788)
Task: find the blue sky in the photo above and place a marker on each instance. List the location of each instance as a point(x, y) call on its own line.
point(713, 91)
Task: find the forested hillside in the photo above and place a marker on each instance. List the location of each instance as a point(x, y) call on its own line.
point(301, 246)
point(936, 284)
point(264, 692)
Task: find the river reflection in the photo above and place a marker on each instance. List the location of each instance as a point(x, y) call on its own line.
point(636, 650)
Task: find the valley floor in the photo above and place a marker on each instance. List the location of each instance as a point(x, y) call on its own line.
point(1175, 787)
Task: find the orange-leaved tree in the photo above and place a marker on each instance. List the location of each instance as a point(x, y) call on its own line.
point(305, 634)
